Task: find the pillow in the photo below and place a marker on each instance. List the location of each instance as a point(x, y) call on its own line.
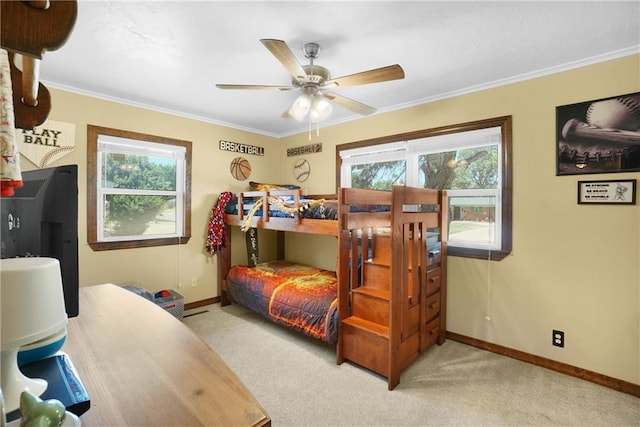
point(259, 186)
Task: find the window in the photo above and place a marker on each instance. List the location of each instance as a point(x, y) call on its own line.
point(138, 190)
point(471, 161)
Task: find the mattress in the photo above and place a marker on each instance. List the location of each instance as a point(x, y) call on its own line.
point(297, 296)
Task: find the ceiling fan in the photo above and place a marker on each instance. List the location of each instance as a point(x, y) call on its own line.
point(314, 80)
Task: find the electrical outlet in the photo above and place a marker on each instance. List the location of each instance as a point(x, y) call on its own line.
point(180, 285)
point(194, 282)
point(557, 338)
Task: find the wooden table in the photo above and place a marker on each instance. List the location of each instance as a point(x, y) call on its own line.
point(142, 366)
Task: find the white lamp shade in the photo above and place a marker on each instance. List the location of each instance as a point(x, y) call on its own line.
point(32, 308)
point(32, 300)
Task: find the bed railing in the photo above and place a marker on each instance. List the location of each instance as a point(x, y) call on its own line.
point(252, 212)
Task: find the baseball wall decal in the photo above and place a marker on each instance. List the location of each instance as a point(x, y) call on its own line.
point(240, 168)
point(301, 170)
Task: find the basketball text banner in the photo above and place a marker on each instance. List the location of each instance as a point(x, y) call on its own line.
point(241, 148)
point(305, 149)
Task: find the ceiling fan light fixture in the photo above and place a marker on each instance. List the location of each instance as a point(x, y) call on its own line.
point(321, 108)
point(301, 107)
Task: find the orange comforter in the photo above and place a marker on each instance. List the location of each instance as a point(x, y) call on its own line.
point(300, 297)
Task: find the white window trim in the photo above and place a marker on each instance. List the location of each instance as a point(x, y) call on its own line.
point(412, 149)
point(113, 144)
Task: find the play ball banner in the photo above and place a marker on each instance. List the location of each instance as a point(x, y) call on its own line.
point(47, 143)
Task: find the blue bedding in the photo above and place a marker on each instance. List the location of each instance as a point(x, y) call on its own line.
point(328, 209)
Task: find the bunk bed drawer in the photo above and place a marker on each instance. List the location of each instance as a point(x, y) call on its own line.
point(431, 335)
point(434, 254)
point(433, 306)
point(434, 278)
point(365, 345)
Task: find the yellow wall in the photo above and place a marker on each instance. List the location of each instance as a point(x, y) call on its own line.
point(158, 267)
point(573, 267)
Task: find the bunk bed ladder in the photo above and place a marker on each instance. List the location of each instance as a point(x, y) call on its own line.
point(392, 278)
point(364, 277)
point(366, 329)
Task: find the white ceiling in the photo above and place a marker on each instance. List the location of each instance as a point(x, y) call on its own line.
point(168, 55)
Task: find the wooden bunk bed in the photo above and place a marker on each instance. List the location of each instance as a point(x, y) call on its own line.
point(390, 278)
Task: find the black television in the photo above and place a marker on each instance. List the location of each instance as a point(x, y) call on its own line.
point(41, 219)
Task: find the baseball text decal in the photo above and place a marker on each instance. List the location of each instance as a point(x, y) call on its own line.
point(305, 149)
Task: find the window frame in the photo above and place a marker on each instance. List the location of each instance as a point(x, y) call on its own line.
point(505, 163)
point(93, 135)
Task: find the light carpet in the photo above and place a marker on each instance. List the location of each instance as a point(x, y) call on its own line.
point(298, 383)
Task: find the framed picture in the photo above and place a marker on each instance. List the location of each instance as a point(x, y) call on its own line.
point(599, 136)
point(621, 192)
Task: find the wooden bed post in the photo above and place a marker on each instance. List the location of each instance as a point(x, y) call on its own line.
point(342, 275)
point(224, 265)
point(444, 232)
point(397, 283)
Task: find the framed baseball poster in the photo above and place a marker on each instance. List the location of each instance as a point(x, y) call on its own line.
point(599, 136)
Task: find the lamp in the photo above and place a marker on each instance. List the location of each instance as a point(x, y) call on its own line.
point(312, 102)
point(32, 308)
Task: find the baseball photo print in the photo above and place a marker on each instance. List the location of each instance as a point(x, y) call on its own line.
point(600, 136)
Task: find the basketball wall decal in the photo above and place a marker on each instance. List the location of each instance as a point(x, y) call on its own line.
point(240, 168)
point(301, 170)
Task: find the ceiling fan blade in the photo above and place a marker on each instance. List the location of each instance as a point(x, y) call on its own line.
point(390, 72)
point(281, 51)
point(351, 104)
point(260, 87)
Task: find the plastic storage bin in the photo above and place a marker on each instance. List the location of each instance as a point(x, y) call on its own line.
point(139, 291)
point(173, 303)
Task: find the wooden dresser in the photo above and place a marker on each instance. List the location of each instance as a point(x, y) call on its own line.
point(143, 367)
